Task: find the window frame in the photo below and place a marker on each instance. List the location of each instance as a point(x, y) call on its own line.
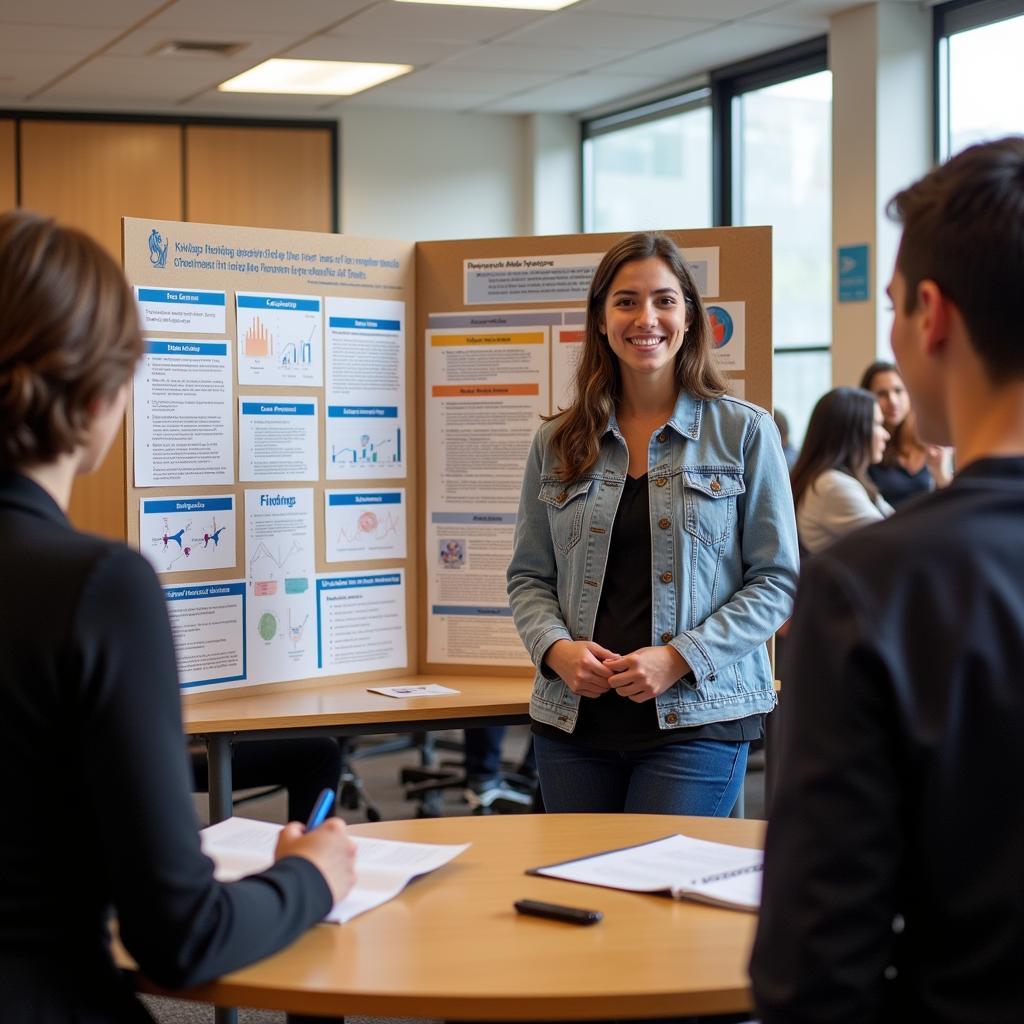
point(950, 19)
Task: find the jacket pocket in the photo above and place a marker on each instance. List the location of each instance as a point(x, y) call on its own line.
point(566, 504)
point(709, 500)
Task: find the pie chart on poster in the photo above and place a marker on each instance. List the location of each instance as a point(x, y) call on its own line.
point(721, 326)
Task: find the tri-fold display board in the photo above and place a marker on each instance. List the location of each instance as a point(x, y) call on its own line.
point(327, 434)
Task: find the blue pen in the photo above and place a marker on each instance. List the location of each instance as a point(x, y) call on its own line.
point(322, 807)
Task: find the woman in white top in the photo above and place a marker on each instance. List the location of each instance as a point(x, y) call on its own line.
point(832, 491)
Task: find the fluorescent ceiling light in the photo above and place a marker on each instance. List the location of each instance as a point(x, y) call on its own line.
point(313, 77)
point(519, 5)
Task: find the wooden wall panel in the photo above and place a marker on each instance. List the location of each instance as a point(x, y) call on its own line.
point(8, 183)
point(259, 177)
point(90, 175)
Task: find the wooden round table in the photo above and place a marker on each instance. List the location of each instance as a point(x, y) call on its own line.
point(451, 947)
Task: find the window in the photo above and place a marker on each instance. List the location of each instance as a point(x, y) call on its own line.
point(650, 168)
point(980, 77)
point(778, 159)
point(753, 148)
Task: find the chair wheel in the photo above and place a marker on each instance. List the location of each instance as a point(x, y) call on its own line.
point(348, 797)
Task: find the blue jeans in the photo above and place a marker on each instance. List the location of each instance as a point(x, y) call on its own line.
point(691, 777)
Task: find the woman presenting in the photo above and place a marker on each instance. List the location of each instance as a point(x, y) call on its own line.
point(98, 812)
point(655, 554)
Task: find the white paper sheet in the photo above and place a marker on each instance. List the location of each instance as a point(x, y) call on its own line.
point(192, 533)
point(364, 525)
point(365, 423)
point(182, 414)
point(361, 622)
point(384, 867)
point(208, 624)
point(181, 310)
point(280, 339)
point(280, 570)
point(277, 437)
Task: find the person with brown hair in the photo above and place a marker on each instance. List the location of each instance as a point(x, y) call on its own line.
point(99, 813)
point(832, 492)
point(908, 466)
point(655, 554)
point(894, 858)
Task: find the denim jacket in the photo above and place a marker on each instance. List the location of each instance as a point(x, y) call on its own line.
point(724, 557)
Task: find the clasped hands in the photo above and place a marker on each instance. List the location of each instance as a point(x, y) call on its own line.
point(589, 669)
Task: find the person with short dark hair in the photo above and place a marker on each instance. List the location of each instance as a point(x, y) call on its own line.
point(655, 554)
point(894, 859)
point(832, 492)
point(908, 466)
point(97, 805)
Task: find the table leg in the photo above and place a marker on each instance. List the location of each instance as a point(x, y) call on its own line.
point(225, 1015)
point(218, 753)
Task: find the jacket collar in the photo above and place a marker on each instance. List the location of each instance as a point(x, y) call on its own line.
point(685, 418)
point(24, 495)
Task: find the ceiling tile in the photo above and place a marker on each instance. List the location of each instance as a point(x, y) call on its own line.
point(417, 52)
point(572, 94)
point(24, 73)
point(805, 13)
point(606, 31)
point(472, 85)
point(563, 59)
point(712, 10)
point(118, 14)
point(433, 21)
point(78, 42)
point(293, 20)
point(713, 49)
point(447, 101)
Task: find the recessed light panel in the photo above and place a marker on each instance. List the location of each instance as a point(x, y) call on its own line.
point(313, 77)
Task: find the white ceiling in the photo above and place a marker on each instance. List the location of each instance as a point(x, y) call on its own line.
point(100, 54)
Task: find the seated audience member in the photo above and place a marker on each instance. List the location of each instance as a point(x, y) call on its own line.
point(97, 806)
point(894, 871)
point(782, 422)
point(909, 466)
point(831, 489)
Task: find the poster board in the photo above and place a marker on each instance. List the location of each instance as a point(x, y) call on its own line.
point(268, 441)
point(514, 308)
point(288, 459)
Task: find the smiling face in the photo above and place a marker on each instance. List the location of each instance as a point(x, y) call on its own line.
point(644, 317)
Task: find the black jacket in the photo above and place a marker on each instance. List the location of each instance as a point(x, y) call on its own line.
point(98, 814)
point(894, 873)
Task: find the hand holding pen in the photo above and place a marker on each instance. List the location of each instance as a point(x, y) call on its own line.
point(325, 843)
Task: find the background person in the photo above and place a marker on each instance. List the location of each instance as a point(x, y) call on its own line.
point(897, 800)
point(655, 554)
point(831, 488)
point(98, 810)
point(908, 466)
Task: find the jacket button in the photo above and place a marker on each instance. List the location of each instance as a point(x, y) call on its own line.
point(664, 522)
point(671, 718)
point(715, 486)
point(666, 577)
point(565, 494)
point(663, 437)
point(661, 481)
point(665, 637)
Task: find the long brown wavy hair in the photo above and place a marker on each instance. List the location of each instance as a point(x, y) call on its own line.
point(577, 437)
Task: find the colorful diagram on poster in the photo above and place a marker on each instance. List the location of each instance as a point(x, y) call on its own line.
point(361, 525)
point(363, 439)
point(280, 339)
point(188, 534)
point(727, 321)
